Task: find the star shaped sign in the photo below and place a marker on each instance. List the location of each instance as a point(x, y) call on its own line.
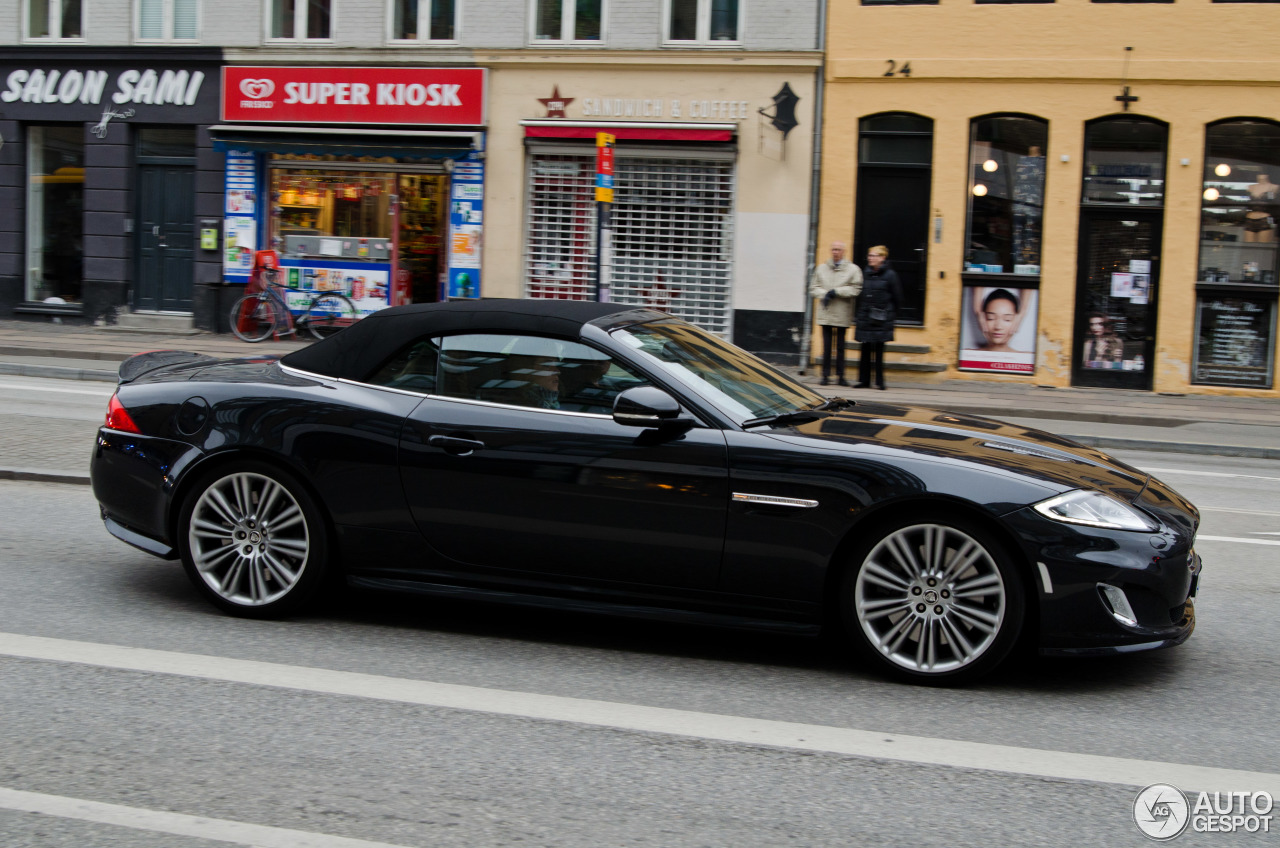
point(555, 103)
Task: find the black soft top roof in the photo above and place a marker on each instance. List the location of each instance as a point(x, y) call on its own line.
point(358, 350)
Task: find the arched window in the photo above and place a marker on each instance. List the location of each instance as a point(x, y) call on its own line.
point(1124, 161)
point(1006, 194)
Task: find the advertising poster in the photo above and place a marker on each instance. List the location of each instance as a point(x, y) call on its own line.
point(239, 236)
point(240, 226)
point(366, 285)
point(1234, 341)
point(466, 229)
point(998, 329)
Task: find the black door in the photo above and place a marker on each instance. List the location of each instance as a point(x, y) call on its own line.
point(166, 238)
point(895, 167)
point(549, 493)
point(893, 210)
point(1116, 294)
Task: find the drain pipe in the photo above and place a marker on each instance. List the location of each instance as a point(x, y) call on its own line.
point(815, 185)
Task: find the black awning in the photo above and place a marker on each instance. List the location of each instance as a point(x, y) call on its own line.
point(400, 147)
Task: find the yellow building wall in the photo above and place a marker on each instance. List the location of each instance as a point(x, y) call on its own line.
point(1062, 62)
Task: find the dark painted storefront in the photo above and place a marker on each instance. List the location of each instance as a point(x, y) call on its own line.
point(107, 178)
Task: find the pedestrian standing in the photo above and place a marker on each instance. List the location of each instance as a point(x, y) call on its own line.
point(835, 284)
point(876, 312)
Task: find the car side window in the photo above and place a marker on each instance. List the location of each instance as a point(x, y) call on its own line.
point(412, 368)
point(532, 371)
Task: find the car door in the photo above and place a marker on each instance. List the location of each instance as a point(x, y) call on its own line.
point(514, 468)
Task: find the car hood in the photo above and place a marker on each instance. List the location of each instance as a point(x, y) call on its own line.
point(933, 433)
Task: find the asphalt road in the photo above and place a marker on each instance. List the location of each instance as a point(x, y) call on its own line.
point(389, 720)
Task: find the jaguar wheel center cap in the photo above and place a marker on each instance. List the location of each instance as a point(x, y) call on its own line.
point(930, 597)
point(255, 537)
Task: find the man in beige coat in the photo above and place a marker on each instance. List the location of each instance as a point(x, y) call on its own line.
point(835, 284)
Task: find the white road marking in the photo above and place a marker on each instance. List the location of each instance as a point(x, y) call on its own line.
point(1207, 473)
point(1238, 511)
point(1202, 538)
point(106, 391)
point(948, 753)
point(159, 821)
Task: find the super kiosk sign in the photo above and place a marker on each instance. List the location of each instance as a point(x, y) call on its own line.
point(449, 96)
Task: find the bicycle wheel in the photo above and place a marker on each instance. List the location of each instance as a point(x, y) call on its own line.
point(254, 317)
point(328, 314)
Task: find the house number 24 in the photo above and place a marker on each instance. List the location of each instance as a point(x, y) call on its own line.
point(895, 71)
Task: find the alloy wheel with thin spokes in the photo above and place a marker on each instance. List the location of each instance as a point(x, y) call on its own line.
point(254, 541)
point(935, 600)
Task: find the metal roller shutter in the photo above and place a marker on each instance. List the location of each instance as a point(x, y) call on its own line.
point(672, 232)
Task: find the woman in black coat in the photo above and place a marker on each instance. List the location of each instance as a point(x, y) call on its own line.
point(877, 309)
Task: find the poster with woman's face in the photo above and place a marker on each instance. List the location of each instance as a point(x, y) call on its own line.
point(998, 329)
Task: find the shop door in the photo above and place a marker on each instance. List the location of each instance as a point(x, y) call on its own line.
point(893, 210)
point(1116, 294)
point(423, 226)
point(895, 169)
point(166, 238)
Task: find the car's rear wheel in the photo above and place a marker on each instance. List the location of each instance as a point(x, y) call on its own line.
point(253, 541)
point(933, 600)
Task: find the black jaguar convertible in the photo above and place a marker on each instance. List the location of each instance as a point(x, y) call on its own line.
point(592, 456)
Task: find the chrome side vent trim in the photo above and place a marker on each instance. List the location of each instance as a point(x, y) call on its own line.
point(773, 500)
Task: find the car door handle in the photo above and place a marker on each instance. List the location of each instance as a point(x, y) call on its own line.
point(455, 445)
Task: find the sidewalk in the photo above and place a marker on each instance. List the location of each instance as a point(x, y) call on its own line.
point(1108, 418)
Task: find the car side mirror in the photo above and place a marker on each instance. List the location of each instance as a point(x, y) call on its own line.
point(646, 406)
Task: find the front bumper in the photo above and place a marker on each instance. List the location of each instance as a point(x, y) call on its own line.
point(1107, 591)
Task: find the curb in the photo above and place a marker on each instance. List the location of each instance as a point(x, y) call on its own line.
point(58, 372)
point(37, 476)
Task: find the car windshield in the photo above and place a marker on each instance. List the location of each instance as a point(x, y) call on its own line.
point(736, 382)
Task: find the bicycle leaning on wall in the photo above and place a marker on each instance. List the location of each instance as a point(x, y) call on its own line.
point(259, 314)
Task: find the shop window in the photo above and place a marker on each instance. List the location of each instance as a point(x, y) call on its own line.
point(895, 166)
point(55, 19)
point(899, 2)
point(703, 22)
point(168, 20)
point(424, 20)
point(300, 19)
point(1124, 162)
point(55, 213)
point(1238, 279)
point(1241, 203)
point(1006, 195)
point(567, 20)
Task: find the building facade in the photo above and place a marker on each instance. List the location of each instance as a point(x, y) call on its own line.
point(1074, 193)
point(410, 151)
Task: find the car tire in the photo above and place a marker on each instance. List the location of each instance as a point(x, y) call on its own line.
point(253, 540)
point(934, 600)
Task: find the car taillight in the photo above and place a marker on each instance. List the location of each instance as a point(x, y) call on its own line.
point(118, 417)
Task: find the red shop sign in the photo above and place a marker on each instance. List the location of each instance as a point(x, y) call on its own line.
point(452, 96)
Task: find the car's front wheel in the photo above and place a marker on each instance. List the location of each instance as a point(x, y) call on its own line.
point(933, 600)
point(253, 540)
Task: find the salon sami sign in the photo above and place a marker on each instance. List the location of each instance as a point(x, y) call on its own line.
point(93, 87)
point(450, 96)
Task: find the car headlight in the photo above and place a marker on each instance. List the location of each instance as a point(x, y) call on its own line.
point(1096, 510)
